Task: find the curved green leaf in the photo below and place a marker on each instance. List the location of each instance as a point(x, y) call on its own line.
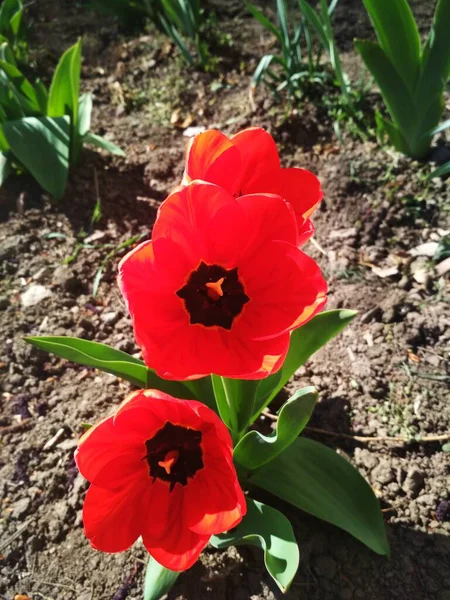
point(64, 92)
point(395, 135)
point(4, 146)
point(42, 145)
point(398, 99)
point(316, 479)
point(435, 57)
point(305, 341)
point(313, 20)
point(21, 83)
point(8, 9)
point(104, 144)
point(84, 114)
point(158, 580)
point(265, 21)
point(270, 530)
point(440, 128)
point(5, 167)
point(6, 53)
point(65, 85)
point(105, 358)
point(255, 449)
point(441, 171)
point(398, 36)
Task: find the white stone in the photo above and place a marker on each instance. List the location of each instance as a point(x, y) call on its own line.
point(34, 294)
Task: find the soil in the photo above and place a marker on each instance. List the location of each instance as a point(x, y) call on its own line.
point(386, 375)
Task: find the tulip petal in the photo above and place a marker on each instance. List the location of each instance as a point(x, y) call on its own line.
point(110, 458)
point(203, 220)
point(215, 504)
point(260, 162)
point(269, 218)
point(279, 281)
point(178, 547)
point(302, 189)
point(305, 231)
point(213, 157)
point(112, 520)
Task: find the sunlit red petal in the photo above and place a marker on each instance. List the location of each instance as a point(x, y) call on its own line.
point(214, 503)
point(305, 231)
point(280, 280)
point(205, 221)
point(268, 218)
point(179, 547)
point(302, 189)
point(109, 458)
point(248, 358)
point(113, 520)
point(260, 162)
point(213, 157)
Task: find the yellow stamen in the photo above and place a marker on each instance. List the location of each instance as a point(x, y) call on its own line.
point(215, 290)
point(168, 462)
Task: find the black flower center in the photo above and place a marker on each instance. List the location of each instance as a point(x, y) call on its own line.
point(174, 454)
point(213, 296)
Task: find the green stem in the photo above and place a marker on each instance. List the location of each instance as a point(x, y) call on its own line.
point(203, 391)
point(235, 403)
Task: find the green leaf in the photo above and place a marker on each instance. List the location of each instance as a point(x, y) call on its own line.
point(100, 142)
point(84, 114)
point(15, 23)
point(319, 481)
point(6, 54)
point(313, 20)
point(105, 358)
point(440, 128)
point(158, 580)
point(399, 101)
point(12, 101)
point(8, 9)
point(41, 95)
point(64, 92)
point(5, 167)
point(65, 85)
point(202, 390)
point(255, 449)
point(262, 68)
point(398, 36)
point(395, 135)
point(435, 58)
point(42, 145)
point(21, 84)
point(235, 400)
point(4, 146)
point(441, 171)
point(305, 341)
point(268, 529)
point(265, 22)
point(282, 13)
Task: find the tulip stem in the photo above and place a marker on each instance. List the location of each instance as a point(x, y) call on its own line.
point(235, 402)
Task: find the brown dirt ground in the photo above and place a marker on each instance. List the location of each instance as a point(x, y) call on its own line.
point(387, 374)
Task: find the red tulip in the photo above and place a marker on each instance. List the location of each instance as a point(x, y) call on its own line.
point(248, 163)
point(160, 468)
point(220, 285)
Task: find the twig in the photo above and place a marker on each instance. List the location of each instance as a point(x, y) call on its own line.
point(16, 427)
point(53, 584)
point(318, 246)
point(367, 439)
point(15, 535)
